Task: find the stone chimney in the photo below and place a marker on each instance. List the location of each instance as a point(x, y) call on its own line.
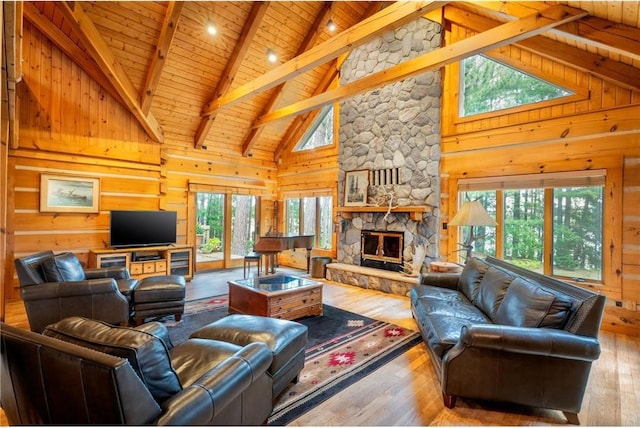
point(394, 127)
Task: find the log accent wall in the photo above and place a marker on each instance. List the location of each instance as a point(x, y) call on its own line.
point(70, 126)
point(598, 132)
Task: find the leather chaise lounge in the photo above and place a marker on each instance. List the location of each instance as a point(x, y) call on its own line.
point(86, 372)
point(502, 333)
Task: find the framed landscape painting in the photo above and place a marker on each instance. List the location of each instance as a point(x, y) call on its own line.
point(356, 184)
point(69, 194)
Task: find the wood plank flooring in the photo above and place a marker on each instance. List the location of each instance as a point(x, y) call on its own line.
point(406, 390)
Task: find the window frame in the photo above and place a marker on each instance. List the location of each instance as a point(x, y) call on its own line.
point(331, 108)
point(317, 218)
point(579, 93)
point(547, 181)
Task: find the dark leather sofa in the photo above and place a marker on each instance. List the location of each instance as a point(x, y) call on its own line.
point(498, 332)
point(56, 286)
point(86, 372)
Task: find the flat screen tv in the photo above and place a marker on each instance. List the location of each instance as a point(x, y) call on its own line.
point(142, 228)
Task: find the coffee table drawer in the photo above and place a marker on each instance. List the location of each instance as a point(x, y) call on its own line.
point(287, 303)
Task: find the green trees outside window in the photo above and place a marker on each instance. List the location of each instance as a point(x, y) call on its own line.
point(487, 85)
point(310, 216)
point(572, 223)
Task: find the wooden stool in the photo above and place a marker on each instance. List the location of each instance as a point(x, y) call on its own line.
point(252, 257)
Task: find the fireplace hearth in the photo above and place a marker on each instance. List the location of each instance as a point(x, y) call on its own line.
point(381, 249)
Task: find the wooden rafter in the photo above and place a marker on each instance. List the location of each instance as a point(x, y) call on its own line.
point(595, 32)
point(251, 27)
point(613, 71)
point(12, 28)
point(303, 121)
point(307, 43)
point(169, 27)
point(69, 48)
point(393, 16)
point(101, 53)
point(504, 34)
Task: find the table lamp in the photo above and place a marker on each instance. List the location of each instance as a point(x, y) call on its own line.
point(471, 214)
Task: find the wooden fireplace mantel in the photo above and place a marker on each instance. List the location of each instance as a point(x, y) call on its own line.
point(415, 212)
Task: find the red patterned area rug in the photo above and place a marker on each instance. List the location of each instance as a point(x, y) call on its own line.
point(342, 348)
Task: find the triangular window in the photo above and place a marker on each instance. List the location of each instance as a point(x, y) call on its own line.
point(488, 85)
point(320, 133)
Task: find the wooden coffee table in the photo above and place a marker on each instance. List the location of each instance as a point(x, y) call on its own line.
point(277, 296)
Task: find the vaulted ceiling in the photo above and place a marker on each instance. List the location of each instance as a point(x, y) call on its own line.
point(219, 92)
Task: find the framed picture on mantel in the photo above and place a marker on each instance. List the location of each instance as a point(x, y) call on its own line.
point(356, 184)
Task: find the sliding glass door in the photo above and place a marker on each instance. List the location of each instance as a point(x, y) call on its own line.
point(225, 229)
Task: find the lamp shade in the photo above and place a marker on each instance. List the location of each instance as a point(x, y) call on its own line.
point(472, 213)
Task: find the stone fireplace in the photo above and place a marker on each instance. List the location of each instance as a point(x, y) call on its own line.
point(394, 128)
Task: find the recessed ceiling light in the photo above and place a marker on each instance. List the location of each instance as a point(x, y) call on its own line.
point(271, 55)
point(211, 29)
point(331, 26)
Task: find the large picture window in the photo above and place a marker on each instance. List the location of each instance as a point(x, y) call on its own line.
point(311, 216)
point(552, 225)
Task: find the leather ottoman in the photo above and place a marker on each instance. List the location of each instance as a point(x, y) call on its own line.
point(286, 340)
point(159, 295)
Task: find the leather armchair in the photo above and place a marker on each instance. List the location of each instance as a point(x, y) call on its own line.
point(54, 287)
point(85, 372)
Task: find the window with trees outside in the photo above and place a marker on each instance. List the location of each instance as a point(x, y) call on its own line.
point(487, 85)
point(549, 228)
point(310, 216)
point(320, 133)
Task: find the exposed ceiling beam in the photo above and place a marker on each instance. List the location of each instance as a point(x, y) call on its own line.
point(504, 34)
point(303, 121)
point(613, 71)
point(595, 32)
point(69, 48)
point(12, 64)
point(169, 27)
point(101, 53)
point(251, 27)
point(307, 43)
point(391, 17)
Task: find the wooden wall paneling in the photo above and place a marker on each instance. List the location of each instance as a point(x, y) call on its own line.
point(620, 320)
point(236, 167)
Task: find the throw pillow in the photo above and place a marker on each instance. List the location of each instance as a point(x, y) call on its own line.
point(471, 277)
point(146, 353)
point(492, 290)
point(527, 304)
point(62, 267)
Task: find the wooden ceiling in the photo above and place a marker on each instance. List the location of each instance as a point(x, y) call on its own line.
point(219, 93)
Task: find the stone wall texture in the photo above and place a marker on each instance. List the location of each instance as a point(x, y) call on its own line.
point(396, 126)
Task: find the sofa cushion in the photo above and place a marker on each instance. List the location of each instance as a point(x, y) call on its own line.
point(441, 320)
point(471, 277)
point(147, 354)
point(492, 290)
point(527, 304)
point(438, 293)
point(62, 267)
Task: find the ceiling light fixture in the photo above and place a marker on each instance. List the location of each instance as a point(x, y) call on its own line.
point(331, 26)
point(271, 55)
point(211, 29)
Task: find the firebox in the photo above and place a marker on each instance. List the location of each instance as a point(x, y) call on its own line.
point(382, 250)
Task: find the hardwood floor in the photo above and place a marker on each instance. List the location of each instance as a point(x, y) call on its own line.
point(406, 390)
